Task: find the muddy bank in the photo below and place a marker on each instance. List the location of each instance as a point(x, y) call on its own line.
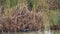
point(55, 27)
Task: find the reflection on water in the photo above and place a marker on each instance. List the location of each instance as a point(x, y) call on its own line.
point(36, 32)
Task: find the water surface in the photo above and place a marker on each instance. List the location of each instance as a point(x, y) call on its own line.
point(36, 32)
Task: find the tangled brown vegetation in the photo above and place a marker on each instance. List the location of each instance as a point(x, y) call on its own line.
point(21, 19)
point(53, 4)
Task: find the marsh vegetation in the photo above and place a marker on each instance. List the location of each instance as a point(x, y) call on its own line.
point(29, 15)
